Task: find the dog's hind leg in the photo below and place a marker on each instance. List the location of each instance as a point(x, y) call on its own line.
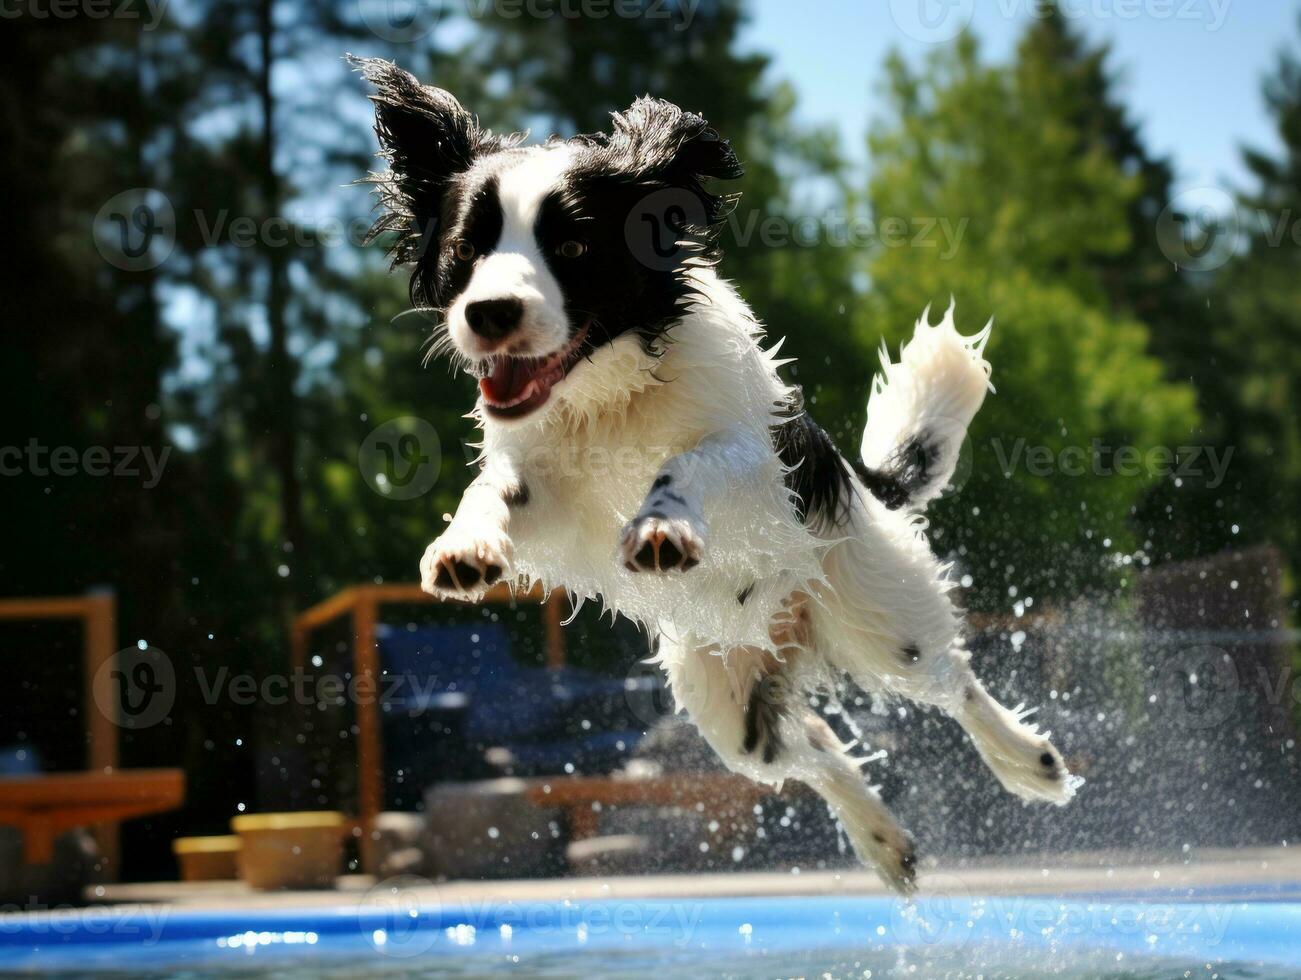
point(888, 621)
point(1022, 758)
point(750, 710)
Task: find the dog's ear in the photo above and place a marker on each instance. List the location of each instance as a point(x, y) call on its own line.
point(664, 139)
point(428, 138)
point(656, 142)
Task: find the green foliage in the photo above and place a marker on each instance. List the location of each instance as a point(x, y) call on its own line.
point(1256, 341)
point(996, 152)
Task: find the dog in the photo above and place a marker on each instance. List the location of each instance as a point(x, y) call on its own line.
point(641, 449)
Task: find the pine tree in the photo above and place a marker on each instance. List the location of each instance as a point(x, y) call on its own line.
point(1075, 81)
point(999, 153)
point(1256, 342)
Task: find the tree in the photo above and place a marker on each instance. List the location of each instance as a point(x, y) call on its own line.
point(1074, 81)
point(1182, 517)
point(998, 152)
point(1256, 342)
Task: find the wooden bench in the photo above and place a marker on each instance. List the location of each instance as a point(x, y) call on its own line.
point(45, 806)
point(722, 795)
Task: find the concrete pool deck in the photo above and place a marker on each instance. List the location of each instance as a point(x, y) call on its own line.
point(1247, 872)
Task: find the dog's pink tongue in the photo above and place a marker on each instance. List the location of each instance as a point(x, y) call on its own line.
point(506, 381)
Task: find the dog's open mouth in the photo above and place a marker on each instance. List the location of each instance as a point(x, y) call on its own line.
point(516, 386)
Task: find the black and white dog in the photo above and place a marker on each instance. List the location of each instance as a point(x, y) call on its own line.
point(640, 447)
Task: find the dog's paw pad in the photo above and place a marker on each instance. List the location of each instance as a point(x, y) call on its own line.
point(894, 853)
point(462, 568)
point(1051, 766)
point(655, 543)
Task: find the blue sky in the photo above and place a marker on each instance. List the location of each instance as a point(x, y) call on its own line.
point(1189, 70)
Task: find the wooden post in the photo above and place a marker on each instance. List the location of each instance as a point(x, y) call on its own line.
point(100, 639)
point(362, 602)
point(370, 752)
point(553, 614)
point(100, 648)
point(297, 648)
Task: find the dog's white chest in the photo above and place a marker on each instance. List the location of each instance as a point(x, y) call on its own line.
point(581, 494)
point(568, 534)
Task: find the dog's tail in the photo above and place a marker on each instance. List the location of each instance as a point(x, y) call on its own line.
point(919, 410)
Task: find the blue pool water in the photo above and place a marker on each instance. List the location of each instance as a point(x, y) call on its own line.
point(1220, 935)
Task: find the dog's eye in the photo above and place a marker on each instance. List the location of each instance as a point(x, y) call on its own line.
point(463, 250)
point(571, 249)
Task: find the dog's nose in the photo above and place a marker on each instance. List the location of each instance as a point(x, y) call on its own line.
point(493, 319)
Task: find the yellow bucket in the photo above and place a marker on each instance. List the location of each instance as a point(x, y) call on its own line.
point(207, 858)
point(290, 850)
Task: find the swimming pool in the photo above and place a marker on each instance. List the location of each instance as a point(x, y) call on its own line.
point(1107, 935)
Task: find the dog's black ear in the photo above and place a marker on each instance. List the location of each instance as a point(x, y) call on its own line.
point(428, 138)
point(656, 142)
point(664, 139)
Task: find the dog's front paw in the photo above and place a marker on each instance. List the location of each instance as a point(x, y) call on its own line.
point(464, 566)
point(655, 543)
